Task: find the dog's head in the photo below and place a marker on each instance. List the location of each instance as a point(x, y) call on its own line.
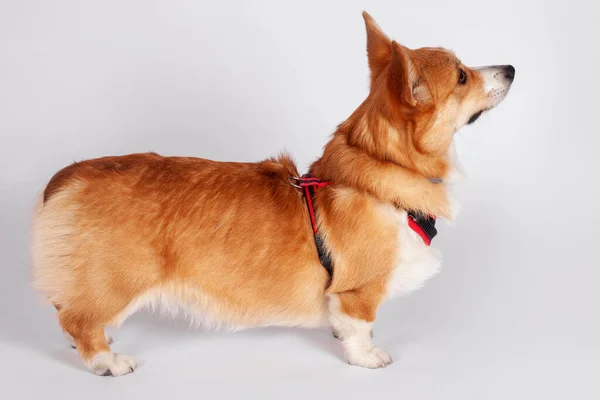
point(429, 92)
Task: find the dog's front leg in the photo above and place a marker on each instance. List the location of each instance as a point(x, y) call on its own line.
point(351, 315)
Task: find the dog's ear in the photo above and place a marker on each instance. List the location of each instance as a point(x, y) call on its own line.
point(403, 79)
point(378, 48)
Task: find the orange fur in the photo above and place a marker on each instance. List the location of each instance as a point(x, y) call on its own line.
point(232, 241)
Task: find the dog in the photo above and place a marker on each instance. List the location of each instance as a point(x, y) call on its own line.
point(256, 244)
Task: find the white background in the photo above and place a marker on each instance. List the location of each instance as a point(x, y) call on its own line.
point(514, 313)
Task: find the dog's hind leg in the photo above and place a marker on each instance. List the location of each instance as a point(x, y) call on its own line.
point(87, 333)
point(69, 338)
point(71, 342)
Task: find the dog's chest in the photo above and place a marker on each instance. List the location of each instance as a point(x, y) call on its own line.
point(415, 262)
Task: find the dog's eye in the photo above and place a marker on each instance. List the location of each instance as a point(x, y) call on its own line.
point(462, 77)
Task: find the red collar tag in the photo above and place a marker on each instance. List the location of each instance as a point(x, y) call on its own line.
point(415, 227)
point(422, 225)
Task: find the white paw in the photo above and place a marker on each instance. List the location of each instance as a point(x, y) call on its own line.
point(110, 364)
point(374, 358)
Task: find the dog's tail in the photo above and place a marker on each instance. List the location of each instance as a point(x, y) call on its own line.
point(280, 167)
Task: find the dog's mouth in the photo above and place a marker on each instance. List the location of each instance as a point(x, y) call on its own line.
point(474, 117)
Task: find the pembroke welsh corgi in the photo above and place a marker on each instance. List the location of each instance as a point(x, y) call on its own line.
point(257, 244)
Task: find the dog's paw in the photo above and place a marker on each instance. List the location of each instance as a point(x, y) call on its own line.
point(110, 364)
point(374, 358)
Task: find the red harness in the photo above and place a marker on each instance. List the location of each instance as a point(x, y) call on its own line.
point(424, 226)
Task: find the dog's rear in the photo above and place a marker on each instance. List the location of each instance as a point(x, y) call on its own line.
point(118, 233)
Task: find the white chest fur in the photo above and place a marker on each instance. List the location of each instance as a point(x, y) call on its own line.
point(415, 262)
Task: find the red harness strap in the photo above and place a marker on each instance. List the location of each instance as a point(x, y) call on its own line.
point(309, 184)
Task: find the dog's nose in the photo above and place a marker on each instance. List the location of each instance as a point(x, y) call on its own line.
point(509, 72)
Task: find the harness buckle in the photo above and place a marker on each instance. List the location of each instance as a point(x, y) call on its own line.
point(295, 182)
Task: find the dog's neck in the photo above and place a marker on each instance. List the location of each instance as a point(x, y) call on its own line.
point(370, 153)
point(386, 139)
